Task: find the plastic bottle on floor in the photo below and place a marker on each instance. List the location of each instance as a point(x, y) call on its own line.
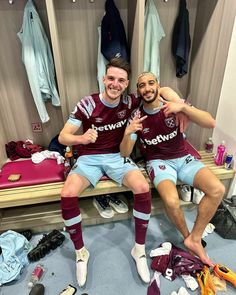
point(36, 275)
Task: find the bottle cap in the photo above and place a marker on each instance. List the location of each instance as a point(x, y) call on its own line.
point(30, 284)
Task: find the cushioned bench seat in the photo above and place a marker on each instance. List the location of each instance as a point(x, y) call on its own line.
point(48, 171)
point(37, 206)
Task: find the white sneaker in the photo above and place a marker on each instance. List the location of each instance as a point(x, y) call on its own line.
point(142, 267)
point(82, 257)
point(103, 207)
point(185, 192)
point(197, 196)
point(116, 203)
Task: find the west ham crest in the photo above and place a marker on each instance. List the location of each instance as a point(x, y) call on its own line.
point(162, 167)
point(121, 114)
point(170, 122)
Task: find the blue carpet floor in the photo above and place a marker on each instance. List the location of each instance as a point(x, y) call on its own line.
point(111, 268)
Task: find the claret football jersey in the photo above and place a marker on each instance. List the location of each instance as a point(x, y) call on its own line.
point(109, 120)
point(160, 138)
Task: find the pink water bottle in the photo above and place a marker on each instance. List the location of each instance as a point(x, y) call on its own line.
point(219, 157)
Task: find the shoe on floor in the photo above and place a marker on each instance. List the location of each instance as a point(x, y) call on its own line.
point(116, 203)
point(142, 267)
point(197, 196)
point(185, 192)
point(225, 273)
point(82, 257)
point(205, 282)
point(102, 205)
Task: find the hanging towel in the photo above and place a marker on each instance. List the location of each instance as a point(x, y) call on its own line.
point(154, 32)
point(181, 41)
point(37, 57)
point(113, 38)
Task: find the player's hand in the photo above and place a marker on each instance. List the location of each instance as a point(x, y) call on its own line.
point(170, 108)
point(182, 121)
point(90, 136)
point(135, 124)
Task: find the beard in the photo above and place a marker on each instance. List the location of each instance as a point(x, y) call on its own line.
point(149, 101)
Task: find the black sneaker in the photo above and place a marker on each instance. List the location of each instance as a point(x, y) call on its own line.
point(26, 233)
point(48, 242)
point(102, 205)
point(117, 204)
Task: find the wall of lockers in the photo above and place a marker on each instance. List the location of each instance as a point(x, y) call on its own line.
point(71, 27)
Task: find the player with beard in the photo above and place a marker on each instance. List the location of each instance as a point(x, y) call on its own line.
point(167, 158)
point(103, 119)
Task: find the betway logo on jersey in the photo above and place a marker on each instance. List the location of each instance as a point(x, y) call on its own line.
point(161, 138)
point(109, 126)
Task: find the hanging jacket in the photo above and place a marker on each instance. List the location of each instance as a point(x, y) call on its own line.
point(154, 32)
point(38, 61)
point(181, 41)
point(113, 38)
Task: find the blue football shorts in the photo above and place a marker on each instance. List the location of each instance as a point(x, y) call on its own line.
point(184, 169)
point(93, 167)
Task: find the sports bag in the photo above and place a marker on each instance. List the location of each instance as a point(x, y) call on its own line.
point(224, 219)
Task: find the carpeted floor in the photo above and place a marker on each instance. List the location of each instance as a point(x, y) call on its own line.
point(111, 268)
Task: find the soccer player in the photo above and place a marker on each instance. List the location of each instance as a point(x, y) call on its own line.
point(103, 118)
point(167, 158)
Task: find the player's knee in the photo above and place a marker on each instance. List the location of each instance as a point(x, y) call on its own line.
point(142, 187)
point(172, 203)
point(219, 191)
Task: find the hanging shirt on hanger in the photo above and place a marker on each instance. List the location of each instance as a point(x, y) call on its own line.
point(37, 57)
point(181, 41)
point(101, 64)
point(154, 32)
point(113, 38)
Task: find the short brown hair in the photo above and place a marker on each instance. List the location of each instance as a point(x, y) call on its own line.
point(120, 63)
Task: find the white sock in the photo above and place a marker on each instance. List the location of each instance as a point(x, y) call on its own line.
point(138, 254)
point(183, 291)
point(139, 249)
point(163, 250)
point(82, 257)
point(190, 282)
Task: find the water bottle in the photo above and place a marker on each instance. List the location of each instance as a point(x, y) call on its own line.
point(219, 157)
point(209, 145)
point(69, 161)
point(36, 275)
point(69, 155)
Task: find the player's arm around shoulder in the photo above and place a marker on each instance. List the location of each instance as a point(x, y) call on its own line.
point(198, 116)
point(169, 94)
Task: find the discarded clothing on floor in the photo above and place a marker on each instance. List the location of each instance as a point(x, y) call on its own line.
point(172, 261)
point(14, 255)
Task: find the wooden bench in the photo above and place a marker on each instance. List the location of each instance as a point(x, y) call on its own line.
point(38, 206)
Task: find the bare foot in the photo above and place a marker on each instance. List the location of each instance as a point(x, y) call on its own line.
point(197, 249)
